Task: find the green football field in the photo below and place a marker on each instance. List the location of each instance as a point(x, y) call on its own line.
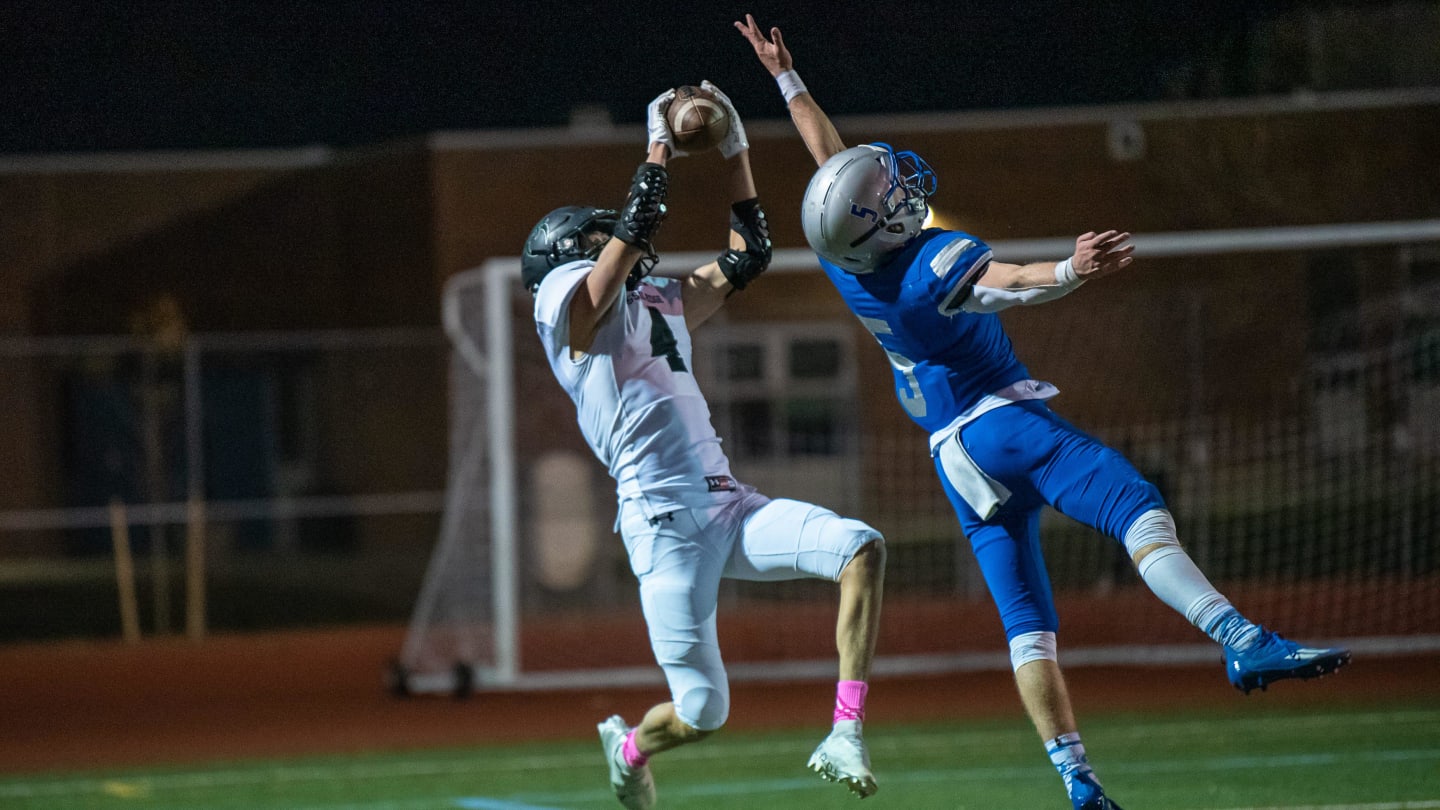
point(1357, 759)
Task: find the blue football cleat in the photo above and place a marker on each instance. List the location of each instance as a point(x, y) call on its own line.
point(1086, 793)
point(1274, 658)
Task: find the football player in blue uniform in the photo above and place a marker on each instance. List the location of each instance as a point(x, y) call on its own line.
point(930, 297)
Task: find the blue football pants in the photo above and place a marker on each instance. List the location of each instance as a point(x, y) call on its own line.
point(1043, 460)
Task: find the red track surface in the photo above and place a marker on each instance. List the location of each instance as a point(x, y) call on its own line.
point(81, 705)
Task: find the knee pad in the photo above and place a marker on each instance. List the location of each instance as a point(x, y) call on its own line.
point(1154, 528)
point(703, 707)
point(866, 537)
point(864, 531)
point(1036, 646)
point(822, 523)
point(830, 542)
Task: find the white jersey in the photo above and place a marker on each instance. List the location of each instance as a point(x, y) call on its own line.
point(635, 394)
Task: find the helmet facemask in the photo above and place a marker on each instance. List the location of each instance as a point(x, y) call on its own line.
point(585, 242)
point(907, 201)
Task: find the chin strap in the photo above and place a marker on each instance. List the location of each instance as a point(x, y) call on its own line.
point(741, 267)
point(639, 219)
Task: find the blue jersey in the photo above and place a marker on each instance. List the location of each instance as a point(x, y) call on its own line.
point(944, 360)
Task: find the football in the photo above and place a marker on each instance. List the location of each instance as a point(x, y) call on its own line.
point(697, 119)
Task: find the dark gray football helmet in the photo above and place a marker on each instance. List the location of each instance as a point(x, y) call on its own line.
point(564, 235)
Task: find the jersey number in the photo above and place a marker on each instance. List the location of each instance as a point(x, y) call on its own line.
point(662, 341)
point(911, 397)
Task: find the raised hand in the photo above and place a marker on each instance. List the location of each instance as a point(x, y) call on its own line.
point(735, 141)
point(1099, 254)
point(659, 130)
point(772, 52)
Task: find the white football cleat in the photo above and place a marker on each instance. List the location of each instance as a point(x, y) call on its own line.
point(634, 787)
point(842, 757)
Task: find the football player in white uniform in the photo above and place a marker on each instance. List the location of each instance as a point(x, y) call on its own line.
point(618, 341)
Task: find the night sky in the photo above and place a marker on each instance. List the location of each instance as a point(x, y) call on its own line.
point(129, 76)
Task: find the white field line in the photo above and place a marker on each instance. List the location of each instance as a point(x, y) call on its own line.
point(481, 803)
point(599, 798)
point(755, 788)
point(1416, 805)
point(489, 762)
point(958, 776)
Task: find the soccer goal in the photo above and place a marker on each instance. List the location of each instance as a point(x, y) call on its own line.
point(1297, 441)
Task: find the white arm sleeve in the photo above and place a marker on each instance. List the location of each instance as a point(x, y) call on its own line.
point(993, 299)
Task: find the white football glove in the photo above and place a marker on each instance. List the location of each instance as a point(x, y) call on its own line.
point(735, 141)
point(656, 124)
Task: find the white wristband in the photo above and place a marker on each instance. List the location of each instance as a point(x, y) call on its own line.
point(790, 85)
point(1066, 276)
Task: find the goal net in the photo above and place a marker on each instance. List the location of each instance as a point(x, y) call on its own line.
point(461, 623)
point(1280, 386)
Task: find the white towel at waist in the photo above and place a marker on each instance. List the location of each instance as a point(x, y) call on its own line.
point(984, 494)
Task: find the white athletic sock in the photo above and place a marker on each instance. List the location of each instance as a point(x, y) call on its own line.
point(1067, 753)
point(1174, 577)
point(1231, 629)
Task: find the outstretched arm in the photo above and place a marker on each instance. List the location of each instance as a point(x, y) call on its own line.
point(639, 219)
point(1001, 286)
point(812, 123)
point(707, 288)
point(748, 254)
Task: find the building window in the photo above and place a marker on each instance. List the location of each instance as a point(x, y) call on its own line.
point(779, 391)
point(784, 400)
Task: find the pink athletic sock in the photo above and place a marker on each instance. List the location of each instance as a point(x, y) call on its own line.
point(850, 700)
point(632, 755)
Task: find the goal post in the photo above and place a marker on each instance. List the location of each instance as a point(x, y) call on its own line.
point(464, 630)
point(1243, 489)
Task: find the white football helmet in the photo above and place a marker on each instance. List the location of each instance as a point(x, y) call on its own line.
point(864, 203)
